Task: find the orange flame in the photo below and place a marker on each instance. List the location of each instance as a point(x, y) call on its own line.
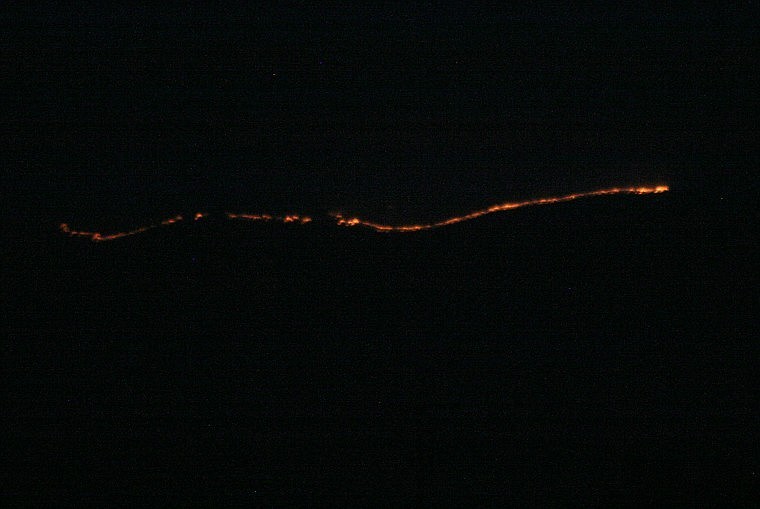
point(100, 237)
point(290, 218)
point(355, 221)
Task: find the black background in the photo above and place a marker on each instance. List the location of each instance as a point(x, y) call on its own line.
point(595, 352)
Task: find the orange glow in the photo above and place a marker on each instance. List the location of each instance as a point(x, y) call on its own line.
point(355, 221)
point(250, 217)
point(290, 218)
point(100, 237)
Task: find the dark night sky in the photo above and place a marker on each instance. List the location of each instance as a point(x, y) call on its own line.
point(600, 352)
point(111, 115)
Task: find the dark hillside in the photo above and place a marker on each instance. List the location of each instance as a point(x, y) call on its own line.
point(597, 351)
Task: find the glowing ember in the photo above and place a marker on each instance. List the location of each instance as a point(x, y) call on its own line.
point(355, 221)
point(291, 218)
point(100, 237)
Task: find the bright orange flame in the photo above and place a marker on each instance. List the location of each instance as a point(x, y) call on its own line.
point(290, 218)
point(100, 237)
point(355, 221)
